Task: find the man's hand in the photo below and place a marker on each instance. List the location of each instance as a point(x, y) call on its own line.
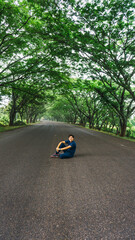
point(57, 149)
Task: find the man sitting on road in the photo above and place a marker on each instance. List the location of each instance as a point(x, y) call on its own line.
point(68, 150)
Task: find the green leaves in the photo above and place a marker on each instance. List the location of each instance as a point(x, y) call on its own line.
point(42, 42)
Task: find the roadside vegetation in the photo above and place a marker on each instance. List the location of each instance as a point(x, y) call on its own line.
point(72, 61)
point(88, 112)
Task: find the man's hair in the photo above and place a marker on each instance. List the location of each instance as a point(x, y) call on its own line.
point(71, 135)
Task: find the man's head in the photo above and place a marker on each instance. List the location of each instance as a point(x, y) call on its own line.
point(71, 138)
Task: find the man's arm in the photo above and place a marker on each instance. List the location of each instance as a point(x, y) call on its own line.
point(60, 143)
point(65, 148)
point(57, 148)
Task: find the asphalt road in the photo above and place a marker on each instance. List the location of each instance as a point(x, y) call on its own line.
point(88, 197)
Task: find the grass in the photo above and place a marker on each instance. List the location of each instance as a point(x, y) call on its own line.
point(8, 128)
point(113, 134)
point(109, 133)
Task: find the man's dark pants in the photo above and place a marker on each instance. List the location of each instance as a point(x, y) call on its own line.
point(66, 154)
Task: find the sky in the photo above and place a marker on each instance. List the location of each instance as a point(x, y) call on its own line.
point(4, 102)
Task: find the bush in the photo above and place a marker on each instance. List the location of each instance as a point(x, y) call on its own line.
point(128, 133)
point(19, 123)
point(4, 120)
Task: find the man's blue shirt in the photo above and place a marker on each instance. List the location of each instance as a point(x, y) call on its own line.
point(73, 147)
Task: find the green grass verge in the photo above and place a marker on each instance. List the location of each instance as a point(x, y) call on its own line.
point(8, 128)
point(105, 132)
point(113, 134)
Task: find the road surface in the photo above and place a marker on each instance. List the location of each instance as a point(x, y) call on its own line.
point(88, 197)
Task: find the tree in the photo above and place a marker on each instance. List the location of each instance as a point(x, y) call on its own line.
point(29, 48)
point(32, 59)
point(87, 104)
point(24, 97)
point(105, 48)
point(61, 110)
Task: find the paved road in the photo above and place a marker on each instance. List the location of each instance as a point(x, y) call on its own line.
point(88, 197)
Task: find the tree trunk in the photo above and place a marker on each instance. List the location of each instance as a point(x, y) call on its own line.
point(123, 127)
point(30, 119)
point(35, 118)
point(13, 110)
point(21, 115)
point(90, 125)
point(75, 119)
point(118, 131)
point(12, 117)
point(82, 124)
point(90, 120)
point(112, 128)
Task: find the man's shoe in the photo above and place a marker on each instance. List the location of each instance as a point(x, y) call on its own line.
point(55, 155)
